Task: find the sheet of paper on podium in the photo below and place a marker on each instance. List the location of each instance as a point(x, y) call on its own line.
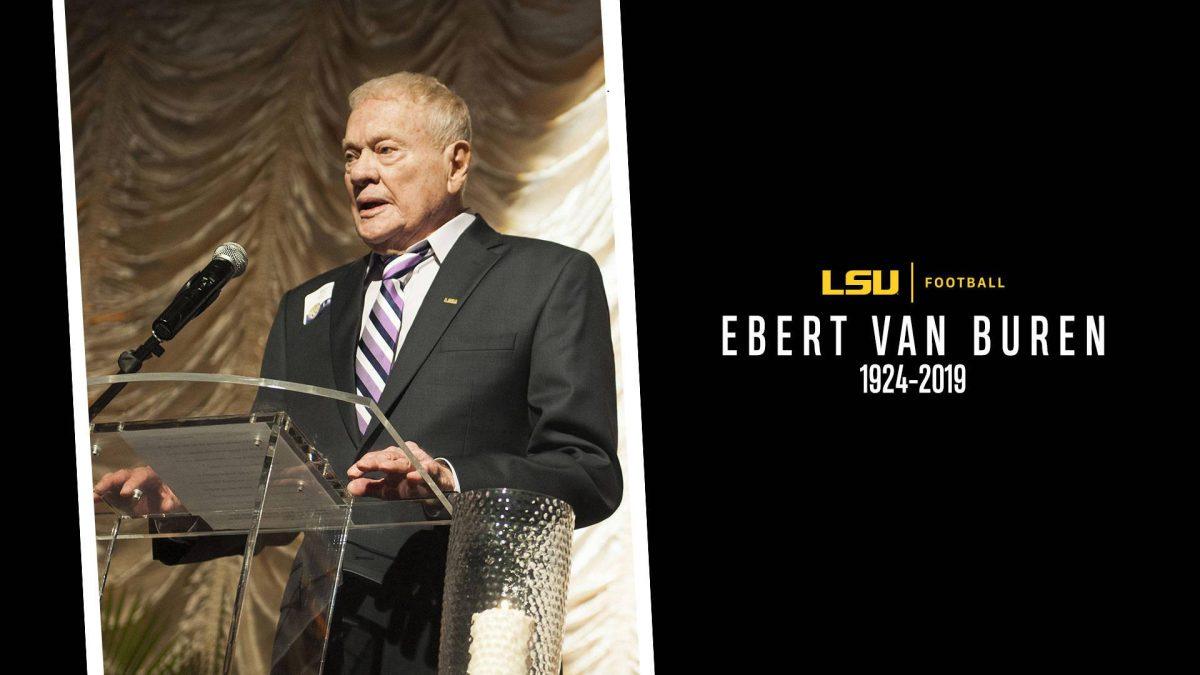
point(216, 471)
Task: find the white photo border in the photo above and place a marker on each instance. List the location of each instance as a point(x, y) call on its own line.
point(627, 330)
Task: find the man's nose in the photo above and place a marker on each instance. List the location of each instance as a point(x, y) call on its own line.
point(364, 170)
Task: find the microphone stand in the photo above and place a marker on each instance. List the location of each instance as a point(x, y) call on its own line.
point(129, 361)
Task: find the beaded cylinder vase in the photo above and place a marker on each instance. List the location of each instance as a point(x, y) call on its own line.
point(505, 596)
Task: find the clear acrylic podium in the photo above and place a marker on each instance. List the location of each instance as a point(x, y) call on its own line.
point(221, 527)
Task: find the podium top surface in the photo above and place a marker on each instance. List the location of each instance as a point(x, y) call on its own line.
point(208, 454)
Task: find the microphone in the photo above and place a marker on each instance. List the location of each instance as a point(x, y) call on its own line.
point(196, 295)
point(201, 290)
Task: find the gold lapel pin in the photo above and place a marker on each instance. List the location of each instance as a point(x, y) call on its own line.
point(450, 301)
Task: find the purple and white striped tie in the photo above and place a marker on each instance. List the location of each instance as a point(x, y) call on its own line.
point(377, 344)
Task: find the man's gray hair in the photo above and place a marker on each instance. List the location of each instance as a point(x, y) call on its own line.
point(447, 116)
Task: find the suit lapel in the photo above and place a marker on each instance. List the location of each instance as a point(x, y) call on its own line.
point(466, 264)
point(346, 307)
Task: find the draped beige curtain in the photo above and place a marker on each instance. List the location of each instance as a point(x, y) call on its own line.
point(202, 122)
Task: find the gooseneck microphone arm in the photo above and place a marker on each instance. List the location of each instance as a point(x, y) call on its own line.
point(196, 295)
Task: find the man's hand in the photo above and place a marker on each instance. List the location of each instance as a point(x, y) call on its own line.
point(400, 479)
point(139, 491)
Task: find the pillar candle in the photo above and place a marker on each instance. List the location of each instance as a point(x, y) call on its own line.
point(500, 642)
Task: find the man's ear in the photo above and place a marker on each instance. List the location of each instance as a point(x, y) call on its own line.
point(457, 156)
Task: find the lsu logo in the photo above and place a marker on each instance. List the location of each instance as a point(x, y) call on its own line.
point(862, 282)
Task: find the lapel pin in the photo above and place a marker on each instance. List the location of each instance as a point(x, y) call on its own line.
point(450, 301)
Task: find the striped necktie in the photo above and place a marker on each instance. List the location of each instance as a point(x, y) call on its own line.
point(377, 343)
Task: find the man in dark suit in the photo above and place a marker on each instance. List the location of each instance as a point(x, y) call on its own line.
point(501, 363)
point(492, 352)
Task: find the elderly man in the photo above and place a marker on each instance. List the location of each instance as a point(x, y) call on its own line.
point(491, 352)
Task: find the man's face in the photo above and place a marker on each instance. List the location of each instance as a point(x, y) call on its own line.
point(395, 174)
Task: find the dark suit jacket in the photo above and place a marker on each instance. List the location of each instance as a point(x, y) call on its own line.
point(514, 384)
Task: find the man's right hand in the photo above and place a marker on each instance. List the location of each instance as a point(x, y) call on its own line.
point(152, 496)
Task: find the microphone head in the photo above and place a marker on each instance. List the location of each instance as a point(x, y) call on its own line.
point(233, 253)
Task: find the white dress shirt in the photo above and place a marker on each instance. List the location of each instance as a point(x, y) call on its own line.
point(416, 284)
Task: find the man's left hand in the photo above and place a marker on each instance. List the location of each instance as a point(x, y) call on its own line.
point(400, 479)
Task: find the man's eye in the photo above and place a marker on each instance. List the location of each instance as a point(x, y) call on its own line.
point(386, 151)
